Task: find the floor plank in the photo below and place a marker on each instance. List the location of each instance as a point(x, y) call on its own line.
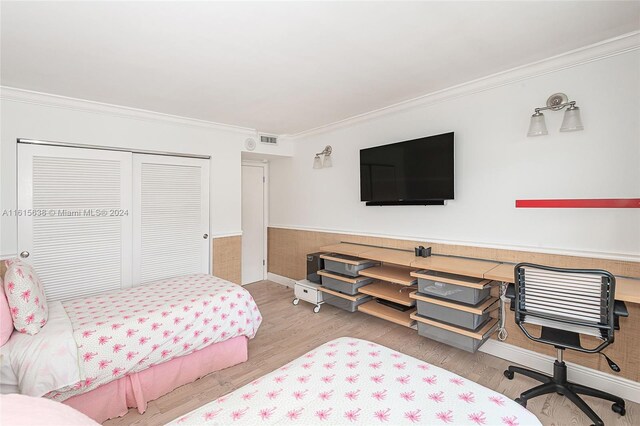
point(289, 331)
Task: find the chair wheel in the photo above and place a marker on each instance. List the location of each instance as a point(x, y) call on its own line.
point(617, 408)
point(508, 374)
point(521, 402)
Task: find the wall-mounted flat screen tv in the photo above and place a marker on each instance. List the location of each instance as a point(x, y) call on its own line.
point(414, 172)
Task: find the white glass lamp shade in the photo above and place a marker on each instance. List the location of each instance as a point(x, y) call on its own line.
point(572, 121)
point(317, 162)
point(327, 161)
point(537, 127)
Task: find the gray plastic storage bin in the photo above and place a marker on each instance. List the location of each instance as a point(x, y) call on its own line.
point(449, 315)
point(343, 286)
point(458, 293)
point(346, 268)
point(456, 340)
point(346, 304)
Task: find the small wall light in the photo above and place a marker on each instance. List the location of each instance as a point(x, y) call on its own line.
point(571, 123)
point(325, 161)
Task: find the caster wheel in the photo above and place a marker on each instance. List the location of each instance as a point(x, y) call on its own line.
point(508, 374)
point(316, 309)
point(617, 408)
point(296, 301)
point(521, 402)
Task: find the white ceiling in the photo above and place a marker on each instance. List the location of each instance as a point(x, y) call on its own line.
point(284, 67)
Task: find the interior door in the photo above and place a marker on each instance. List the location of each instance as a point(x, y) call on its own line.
point(253, 226)
point(75, 222)
point(171, 217)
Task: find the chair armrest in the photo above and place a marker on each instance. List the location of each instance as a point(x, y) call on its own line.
point(511, 291)
point(620, 309)
point(511, 295)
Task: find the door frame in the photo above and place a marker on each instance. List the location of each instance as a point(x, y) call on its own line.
point(265, 210)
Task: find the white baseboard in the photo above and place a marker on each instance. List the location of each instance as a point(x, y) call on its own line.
point(624, 388)
point(279, 279)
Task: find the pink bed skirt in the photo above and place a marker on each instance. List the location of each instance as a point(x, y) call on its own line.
point(134, 390)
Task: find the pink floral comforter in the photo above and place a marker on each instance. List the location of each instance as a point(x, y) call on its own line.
point(352, 381)
point(131, 330)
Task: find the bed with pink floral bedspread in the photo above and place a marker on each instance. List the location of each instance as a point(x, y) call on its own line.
point(97, 340)
point(352, 381)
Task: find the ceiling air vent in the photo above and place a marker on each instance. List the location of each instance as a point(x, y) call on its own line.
point(271, 140)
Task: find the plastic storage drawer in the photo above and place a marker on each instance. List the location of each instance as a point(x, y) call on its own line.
point(450, 315)
point(457, 340)
point(345, 287)
point(346, 265)
point(346, 304)
point(458, 293)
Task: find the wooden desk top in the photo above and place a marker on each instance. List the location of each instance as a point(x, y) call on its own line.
point(455, 265)
point(387, 255)
point(502, 272)
point(346, 248)
point(627, 290)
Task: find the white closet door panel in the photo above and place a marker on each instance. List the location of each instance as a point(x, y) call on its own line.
point(78, 233)
point(171, 202)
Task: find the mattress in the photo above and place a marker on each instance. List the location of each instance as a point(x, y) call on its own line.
point(124, 332)
point(352, 381)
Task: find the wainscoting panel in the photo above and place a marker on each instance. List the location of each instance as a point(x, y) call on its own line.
point(288, 247)
point(227, 258)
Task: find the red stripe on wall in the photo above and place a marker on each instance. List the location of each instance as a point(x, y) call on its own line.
point(598, 203)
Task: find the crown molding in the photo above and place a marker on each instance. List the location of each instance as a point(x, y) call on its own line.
point(56, 101)
point(594, 52)
point(573, 58)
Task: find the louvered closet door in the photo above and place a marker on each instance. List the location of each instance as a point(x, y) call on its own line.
point(77, 234)
point(171, 220)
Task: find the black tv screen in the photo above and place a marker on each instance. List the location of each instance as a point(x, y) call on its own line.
point(408, 172)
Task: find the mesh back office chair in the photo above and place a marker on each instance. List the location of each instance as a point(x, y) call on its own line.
point(566, 303)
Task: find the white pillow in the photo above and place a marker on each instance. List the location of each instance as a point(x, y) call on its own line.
point(26, 297)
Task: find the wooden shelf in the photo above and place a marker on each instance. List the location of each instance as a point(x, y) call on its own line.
point(455, 265)
point(397, 293)
point(342, 295)
point(346, 248)
point(444, 277)
point(385, 312)
point(502, 272)
point(340, 277)
point(478, 334)
point(391, 273)
point(343, 258)
point(488, 305)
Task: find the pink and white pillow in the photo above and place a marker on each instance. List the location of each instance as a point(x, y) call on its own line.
point(6, 322)
point(26, 297)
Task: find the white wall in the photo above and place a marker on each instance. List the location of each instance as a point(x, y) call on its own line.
point(495, 164)
point(36, 116)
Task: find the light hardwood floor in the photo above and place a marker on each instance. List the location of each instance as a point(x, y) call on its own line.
point(289, 331)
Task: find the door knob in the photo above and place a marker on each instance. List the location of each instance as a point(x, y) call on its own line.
point(24, 254)
point(205, 236)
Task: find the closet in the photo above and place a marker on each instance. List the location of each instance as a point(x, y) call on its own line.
point(93, 220)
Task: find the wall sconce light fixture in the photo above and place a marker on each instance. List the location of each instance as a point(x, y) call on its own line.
point(556, 102)
point(325, 161)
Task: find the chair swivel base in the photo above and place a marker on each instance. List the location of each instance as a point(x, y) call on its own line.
point(559, 384)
